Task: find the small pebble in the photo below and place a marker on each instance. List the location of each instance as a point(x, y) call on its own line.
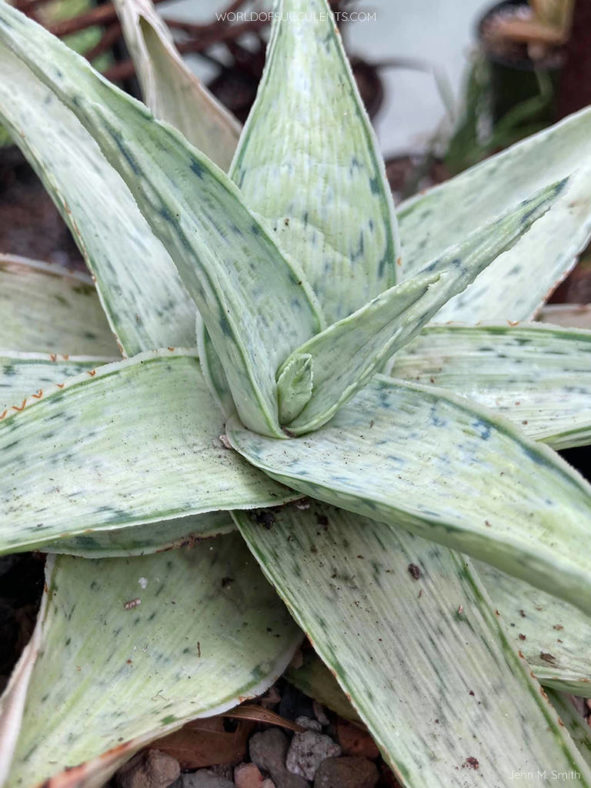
point(320, 714)
point(268, 750)
point(148, 769)
point(307, 751)
point(308, 724)
point(346, 773)
point(247, 775)
point(204, 778)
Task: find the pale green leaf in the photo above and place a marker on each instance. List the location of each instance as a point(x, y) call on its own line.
point(136, 442)
point(139, 287)
point(519, 281)
point(255, 304)
point(348, 353)
point(45, 307)
point(170, 88)
point(24, 375)
point(567, 315)
point(132, 649)
point(578, 727)
point(425, 661)
point(449, 470)
point(308, 162)
point(555, 637)
point(538, 376)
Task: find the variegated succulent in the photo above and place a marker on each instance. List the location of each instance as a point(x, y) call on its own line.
point(293, 390)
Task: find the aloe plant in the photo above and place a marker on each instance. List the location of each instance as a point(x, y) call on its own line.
point(294, 428)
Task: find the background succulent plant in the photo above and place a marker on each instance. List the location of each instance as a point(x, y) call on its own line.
point(316, 376)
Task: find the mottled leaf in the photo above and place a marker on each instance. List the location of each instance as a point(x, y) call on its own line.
point(449, 470)
point(45, 307)
point(139, 287)
point(170, 88)
point(555, 637)
point(24, 375)
point(27, 375)
point(538, 376)
point(412, 638)
point(134, 648)
point(133, 442)
point(255, 304)
point(519, 281)
point(348, 353)
point(308, 162)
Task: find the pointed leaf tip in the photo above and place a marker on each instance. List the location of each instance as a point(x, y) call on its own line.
point(518, 283)
point(309, 162)
point(170, 88)
point(294, 386)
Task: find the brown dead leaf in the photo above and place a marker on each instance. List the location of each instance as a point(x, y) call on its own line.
point(205, 742)
point(249, 711)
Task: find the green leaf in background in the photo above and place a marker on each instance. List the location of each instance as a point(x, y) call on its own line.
point(520, 280)
point(170, 88)
point(314, 679)
point(136, 442)
point(140, 290)
point(577, 726)
point(411, 637)
point(538, 376)
point(449, 470)
point(308, 162)
point(555, 637)
point(346, 354)
point(67, 314)
point(255, 304)
point(139, 646)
